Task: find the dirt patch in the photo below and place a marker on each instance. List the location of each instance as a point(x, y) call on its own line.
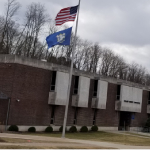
point(50, 146)
point(1, 140)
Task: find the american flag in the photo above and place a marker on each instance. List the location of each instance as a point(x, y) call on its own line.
point(66, 14)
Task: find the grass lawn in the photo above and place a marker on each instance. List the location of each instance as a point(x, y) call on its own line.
point(102, 136)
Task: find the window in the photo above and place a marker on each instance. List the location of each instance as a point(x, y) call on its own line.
point(52, 114)
point(75, 116)
point(95, 88)
point(118, 92)
point(53, 81)
point(148, 97)
point(94, 117)
point(76, 83)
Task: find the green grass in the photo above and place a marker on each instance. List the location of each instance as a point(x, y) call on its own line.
point(102, 136)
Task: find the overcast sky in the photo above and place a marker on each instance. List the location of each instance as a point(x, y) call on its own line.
point(121, 25)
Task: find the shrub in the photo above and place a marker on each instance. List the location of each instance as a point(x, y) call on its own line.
point(49, 129)
point(32, 129)
point(61, 129)
point(147, 125)
point(73, 129)
point(13, 128)
point(84, 129)
point(94, 128)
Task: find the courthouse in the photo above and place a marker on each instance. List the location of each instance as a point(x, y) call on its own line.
point(34, 93)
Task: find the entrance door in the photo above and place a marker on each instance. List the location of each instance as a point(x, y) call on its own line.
point(125, 121)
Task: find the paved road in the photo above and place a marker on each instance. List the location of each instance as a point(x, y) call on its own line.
point(67, 142)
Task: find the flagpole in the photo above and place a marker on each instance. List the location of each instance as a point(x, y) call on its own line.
point(70, 76)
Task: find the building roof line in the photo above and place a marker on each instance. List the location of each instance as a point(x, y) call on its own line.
point(5, 58)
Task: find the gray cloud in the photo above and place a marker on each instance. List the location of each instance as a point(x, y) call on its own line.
point(121, 25)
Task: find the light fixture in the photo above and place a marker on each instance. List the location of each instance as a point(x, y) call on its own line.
point(18, 100)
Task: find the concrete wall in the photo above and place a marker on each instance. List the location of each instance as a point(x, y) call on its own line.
point(61, 89)
point(131, 99)
point(2, 128)
point(56, 128)
point(102, 94)
point(83, 92)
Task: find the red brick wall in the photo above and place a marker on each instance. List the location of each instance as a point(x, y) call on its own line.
point(6, 78)
point(31, 86)
point(6, 82)
point(140, 118)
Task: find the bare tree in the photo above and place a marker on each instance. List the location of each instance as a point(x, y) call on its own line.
point(35, 20)
point(106, 63)
point(136, 73)
point(96, 52)
point(8, 28)
point(147, 79)
point(112, 65)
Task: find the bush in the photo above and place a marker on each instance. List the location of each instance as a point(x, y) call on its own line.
point(84, 129)
point(49, 129)
point(61, 129)
point(73, 129)
point(147, 125)
point(94, 128)
point(13, 128)
point(32, 129)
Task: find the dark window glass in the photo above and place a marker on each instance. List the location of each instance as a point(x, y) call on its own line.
point(94, 117)
point(76, 83)
point(118, 92)
point(53, 81)
point(95, 88)
point(75, 116)
point(148, 97)
point(52, 114)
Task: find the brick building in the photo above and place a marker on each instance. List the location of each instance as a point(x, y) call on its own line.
point(37, 93)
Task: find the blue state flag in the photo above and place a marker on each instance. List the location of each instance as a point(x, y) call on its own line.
point(59, 38)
